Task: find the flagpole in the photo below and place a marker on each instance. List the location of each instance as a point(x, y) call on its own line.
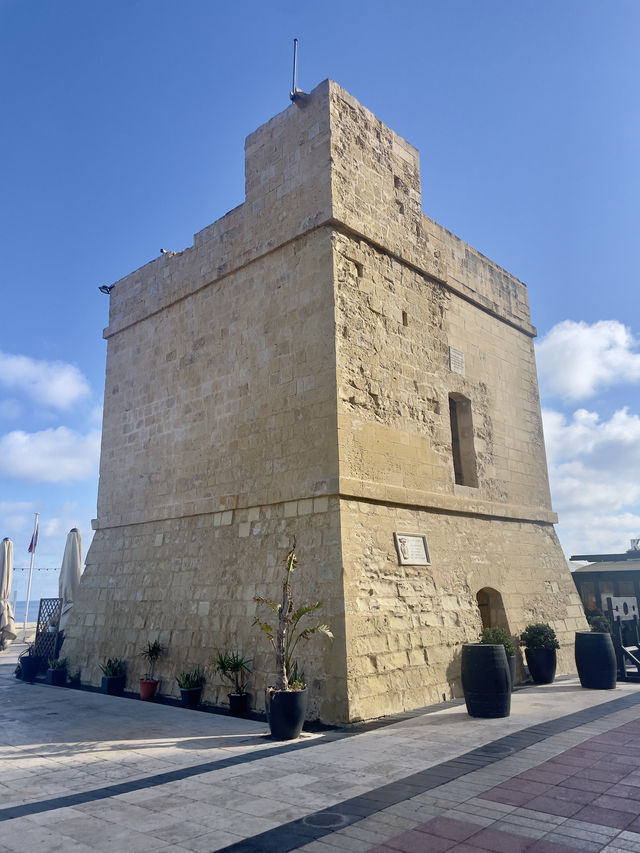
point(32, 549)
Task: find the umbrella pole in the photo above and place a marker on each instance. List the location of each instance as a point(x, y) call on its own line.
point(34, 540)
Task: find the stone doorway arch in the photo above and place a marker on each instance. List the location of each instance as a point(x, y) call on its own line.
point(491, 608)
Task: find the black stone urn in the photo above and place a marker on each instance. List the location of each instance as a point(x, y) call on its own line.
point(486, 680)
point(286, 710)
point(190, 696)
point(596, 660)
point(542, 664)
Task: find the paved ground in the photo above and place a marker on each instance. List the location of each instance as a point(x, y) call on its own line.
point(80, 772)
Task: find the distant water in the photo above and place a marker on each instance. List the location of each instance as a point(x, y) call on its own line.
point(18, 613)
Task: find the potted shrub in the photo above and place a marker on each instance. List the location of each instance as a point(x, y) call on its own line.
point(148, 684)
point(286, 701)
point(540, 642)
point(57, 672)
point(499, 636)
point(113, 676)
point(29, 663)
point(235, 668)
point(191, 683)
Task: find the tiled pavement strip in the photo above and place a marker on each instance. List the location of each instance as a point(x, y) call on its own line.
point(81, 771)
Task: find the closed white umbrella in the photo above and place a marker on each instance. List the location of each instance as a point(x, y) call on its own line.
point(7, 625)
point(70, 573)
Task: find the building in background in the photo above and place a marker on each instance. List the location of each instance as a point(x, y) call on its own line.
point(325, 362)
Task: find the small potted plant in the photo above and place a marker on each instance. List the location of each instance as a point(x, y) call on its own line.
point(148, 684)
point(499, 636)
point(29, 663)
point(236, 669)
point(113, 676)
point(57, 672)
point(191, 683)
point(286, 702)
point(540, 642)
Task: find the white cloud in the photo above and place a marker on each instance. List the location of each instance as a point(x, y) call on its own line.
point(593, 471)
point(598, 532)
point(576, 360)
point(51, 455)
point(51, 383)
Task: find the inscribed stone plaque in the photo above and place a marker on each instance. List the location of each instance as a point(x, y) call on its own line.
point(456, 360)
point(412, 549)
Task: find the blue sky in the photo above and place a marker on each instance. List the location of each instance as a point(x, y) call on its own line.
point(124, 126)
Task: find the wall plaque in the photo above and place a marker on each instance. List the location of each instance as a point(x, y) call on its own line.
point(412, 549)
point(456, 360)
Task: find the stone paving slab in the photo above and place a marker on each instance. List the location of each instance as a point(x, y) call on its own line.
point(83, 771)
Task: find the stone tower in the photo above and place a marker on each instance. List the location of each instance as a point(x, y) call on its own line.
point(325, 362)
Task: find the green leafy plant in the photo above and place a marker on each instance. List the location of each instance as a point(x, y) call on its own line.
point(151, 652)
point(235, 668)
point(539, 635)
point(190, 679)
point(287, 633)
point(599, 623)
point(58, 663)
point(498, 637)
point(113, 667)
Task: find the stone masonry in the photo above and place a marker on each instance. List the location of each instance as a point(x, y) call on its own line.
point(300, 370)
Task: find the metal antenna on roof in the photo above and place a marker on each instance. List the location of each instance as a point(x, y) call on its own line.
point(298, 97)
point(294, 88)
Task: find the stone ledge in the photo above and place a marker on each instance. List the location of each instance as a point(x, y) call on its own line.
point(352, 489)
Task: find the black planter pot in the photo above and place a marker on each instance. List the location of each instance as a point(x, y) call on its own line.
point(542, 664)
point(29, 667)
point(238, 704)
point(286, 710)
point(511, 660)
point(57, 677)
point(595, 660)
point(190, 697)
point(486, 680)
point(113, 685)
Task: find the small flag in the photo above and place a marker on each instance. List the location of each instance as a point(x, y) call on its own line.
point(34, 538)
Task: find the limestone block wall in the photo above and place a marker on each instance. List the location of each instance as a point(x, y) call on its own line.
point(190, 582)
point(406, 624)
point(395, 330)
point(226, 398)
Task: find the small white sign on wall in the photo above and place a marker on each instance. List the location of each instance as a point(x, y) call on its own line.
point(412, 549)
point(456, 360)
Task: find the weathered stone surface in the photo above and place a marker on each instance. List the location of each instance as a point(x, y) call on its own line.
point(290, 374)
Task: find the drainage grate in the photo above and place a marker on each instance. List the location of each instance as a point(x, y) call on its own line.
point(325, 819)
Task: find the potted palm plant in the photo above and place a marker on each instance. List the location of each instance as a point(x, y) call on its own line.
point(113, 676)
point(286, 701)
point(148, 684)
point(191, 683)
point(540, 642)
point(57, 672)
point(236, 669)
